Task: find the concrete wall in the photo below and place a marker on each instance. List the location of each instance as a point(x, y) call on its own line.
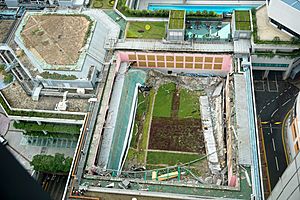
point(284, 14)
point(288, 186)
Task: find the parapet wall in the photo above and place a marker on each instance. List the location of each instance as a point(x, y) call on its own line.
point(214, 64)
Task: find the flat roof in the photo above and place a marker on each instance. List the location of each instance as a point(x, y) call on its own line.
point(293, 3)
point(176, 19)
point(242, 20)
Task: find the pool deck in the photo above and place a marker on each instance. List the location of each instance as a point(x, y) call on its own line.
point(143, 5)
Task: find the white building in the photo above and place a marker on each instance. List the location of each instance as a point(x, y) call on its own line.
point(285, 14)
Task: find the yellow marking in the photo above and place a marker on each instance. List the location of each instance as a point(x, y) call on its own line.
point(265, 156)
point(278, 123)
point(264, 122)
point(282, 135)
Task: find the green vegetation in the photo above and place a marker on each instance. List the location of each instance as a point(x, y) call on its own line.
point(189, 104)
point(163, 100)
point(170, 159)
point(49, 127)
point(51, 164)
point(51, 135)
point(104, 4)
point(271, 54)
point(7, 76)
point(138, 30)
point(140, 153)
point(121, 6)
point(276, 40)
point(242, 20)
point(57, 76)
point(176, 20)
point(203, 14)
point(38, 114)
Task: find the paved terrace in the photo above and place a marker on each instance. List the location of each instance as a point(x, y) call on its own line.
point(158, 45)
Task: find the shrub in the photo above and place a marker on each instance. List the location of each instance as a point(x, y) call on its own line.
point(51, 164)
point(147, 27)
point(8, 78)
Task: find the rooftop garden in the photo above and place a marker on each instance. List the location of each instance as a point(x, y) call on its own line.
point(176, 19)
point(26, 113)
point(242, 20)
point(104, 4)
point(146, 30)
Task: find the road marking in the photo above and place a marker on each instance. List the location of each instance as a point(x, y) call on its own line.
point(277, 97)
point(274, 148)
point(277, 123)
point(285, 90)
point(264, 122)
point(276, 161)
point(281, 94)
point(286, 102)
point(271, 128)
point(268, 103)
point(264, 107)
point(273, 100)
point(274, 112)
point(296, 94)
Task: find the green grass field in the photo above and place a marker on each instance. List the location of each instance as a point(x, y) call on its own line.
point(170, 159)
point(189, 104)
point(242, 20)
point(163, 100)
point(137, 30)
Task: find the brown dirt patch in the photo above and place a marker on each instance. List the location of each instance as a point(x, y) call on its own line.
point(5, 26)
point(57, 39)
point(177, 135)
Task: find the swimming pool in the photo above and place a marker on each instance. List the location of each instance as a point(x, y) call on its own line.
point(216, 8)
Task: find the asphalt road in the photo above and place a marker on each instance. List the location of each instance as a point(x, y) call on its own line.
point(274, 99)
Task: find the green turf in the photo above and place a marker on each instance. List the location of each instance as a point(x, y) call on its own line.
point(170, 159)
point(137, 30)
point(189, 104)
point(242, 20)
point(176, 20)
point(104, 4)
point(163, 100)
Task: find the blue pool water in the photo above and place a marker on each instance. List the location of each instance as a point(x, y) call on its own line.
point(216, 8)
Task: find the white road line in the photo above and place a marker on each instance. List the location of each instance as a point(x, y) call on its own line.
point(273, 100)
point(286, 102)
point(274, 148)
point(296, 94)
point(277, 97)
point(264, 107)
point(274, 112)
point(285, 90)
point(281, 94)
point(268, 104)
point(276, 161)
point(271, 128)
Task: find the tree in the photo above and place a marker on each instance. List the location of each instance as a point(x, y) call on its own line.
point(51, 164)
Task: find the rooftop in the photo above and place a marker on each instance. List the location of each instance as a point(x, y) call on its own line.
point(176, 19)
point(294, 3)
point(242, 20)
point(49, 33)
point(265, 30)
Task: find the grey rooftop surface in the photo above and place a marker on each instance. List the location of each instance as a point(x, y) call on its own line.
point(241, 110)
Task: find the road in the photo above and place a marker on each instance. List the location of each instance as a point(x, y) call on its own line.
point(274, 99)
point(53, 184)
